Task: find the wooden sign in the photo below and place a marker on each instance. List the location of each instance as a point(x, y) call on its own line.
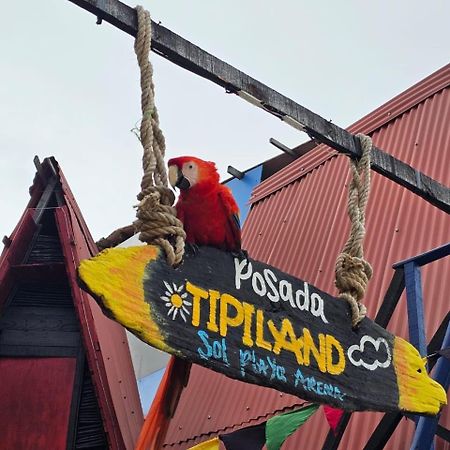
point(257, 324)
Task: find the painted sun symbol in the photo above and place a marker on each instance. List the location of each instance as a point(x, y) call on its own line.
point(175, 301)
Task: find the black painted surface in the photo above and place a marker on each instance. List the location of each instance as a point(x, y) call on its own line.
point(212, 269)
point(39, 315)
point(46, 249)
point(89, 432)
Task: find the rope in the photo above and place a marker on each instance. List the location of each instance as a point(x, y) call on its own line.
point(156, 218)
point(352, 271)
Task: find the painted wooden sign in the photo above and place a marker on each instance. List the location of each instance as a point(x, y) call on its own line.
point(257, 324)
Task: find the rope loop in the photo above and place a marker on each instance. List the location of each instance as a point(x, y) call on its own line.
point(156, 218)
point(352, 271)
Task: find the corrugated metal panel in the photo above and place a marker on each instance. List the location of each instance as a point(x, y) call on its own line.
point(383, 115)
point(202, 415)
point(298, 223)
point(403, 102)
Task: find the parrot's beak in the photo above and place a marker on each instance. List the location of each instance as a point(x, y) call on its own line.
point(177, 179)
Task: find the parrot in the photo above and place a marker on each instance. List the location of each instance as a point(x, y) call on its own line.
point(206, 207)
point(210, 216)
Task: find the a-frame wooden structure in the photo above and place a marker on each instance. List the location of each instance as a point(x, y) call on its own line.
point(67, 379)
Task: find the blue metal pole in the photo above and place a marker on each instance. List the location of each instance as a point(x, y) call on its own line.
point(426, 426)
point(413, 286)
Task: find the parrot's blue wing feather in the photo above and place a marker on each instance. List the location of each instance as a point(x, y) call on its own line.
point(237, 220)
point(234, 226)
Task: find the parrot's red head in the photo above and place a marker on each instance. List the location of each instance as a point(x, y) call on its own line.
point(187, 172)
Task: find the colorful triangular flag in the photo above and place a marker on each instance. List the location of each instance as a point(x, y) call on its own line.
point(212, 444)
point(279, 428)
point(333, 415)
point(249, 438)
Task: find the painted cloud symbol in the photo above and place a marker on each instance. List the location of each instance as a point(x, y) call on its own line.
point(360, 348)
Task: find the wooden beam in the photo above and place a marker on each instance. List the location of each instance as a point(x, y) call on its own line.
point(187, 55)
point(426, 257)
point(383, 431)
point(332, 440)
point(391, 298)
point(179, 322)
point(443, 433)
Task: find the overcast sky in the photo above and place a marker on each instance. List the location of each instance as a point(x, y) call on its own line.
point(69, 88)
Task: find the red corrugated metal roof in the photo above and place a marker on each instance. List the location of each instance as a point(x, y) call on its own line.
point(299, 223)
point(383, 115)
point(201, 417)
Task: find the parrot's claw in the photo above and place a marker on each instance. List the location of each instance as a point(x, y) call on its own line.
point(241, 254)
point(191, 249)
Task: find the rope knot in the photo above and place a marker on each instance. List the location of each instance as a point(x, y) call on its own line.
point(157, 224)
point(157, 194)
point(352, 275)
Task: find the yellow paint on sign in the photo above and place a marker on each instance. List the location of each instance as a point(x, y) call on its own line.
point(117, 277)
point(417, 391)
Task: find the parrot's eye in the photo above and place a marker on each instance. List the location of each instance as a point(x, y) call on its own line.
point(190, 166)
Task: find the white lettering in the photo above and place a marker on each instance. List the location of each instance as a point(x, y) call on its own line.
point(270, 277)
point(261, 290)
point(317, 306)
point(267, 286)
point(239, 267)
point(305, 294)
point(286, 292)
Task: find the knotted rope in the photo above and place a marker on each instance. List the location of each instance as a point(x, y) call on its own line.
point(156, 218)
point(352, 271)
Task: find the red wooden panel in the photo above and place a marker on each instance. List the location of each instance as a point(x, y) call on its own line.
point(105, 341)
point(15, 252)
point(35, 398)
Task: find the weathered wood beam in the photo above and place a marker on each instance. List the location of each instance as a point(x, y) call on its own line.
point(193, 58)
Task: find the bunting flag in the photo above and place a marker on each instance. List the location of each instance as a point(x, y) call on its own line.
point(333, 416)
point(212, 444)
point(272, 433)
point(279, 428)
point(250, 438)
